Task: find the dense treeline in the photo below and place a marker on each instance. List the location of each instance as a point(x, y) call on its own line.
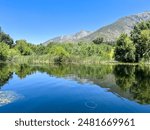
point(133, 48)
point(55, 52)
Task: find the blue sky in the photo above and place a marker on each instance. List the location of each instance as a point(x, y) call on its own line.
point(39, 20)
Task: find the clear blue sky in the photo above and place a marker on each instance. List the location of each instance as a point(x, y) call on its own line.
point(39, 20)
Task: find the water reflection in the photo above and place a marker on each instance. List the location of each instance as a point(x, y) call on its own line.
point(131, 82)
point(5, 74)
point(135, 80)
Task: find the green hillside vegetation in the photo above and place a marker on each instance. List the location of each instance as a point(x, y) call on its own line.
point(133, 48)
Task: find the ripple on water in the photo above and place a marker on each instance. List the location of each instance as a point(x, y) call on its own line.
point(90, 104)
point(7, 97)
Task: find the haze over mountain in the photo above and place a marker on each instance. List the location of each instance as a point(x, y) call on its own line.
point(109, 32)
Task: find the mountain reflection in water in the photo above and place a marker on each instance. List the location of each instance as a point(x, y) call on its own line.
point(125, 81)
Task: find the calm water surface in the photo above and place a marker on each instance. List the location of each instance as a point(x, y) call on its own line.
point(70, 88)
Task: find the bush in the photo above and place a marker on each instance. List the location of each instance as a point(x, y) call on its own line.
point(98, 40)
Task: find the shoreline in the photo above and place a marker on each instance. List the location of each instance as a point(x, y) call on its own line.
point(77, 63)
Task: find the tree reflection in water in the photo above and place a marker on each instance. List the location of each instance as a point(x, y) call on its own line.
point(134, 79)
point(6, 73)
point(129, 79)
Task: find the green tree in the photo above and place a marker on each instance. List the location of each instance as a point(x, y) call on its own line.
point(23, 47)
point(141, 38)
point(4, 51)
point(145, 44)
point(41, 50)
point(6, 39)
point(60, 54)
point(13, 54)
point(98, 40)
point(125, 49)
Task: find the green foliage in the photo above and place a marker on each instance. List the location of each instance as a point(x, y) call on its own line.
point(99, 40)
point(40, 50)
point(13, 54)
point(60, 54)
point(125, 49)
point(4, 51)
point(23, 47)
point(6, 39)
point(145, 46)
point(141, 38)
point(135, 48)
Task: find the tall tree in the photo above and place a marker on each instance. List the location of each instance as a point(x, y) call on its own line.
point(125, 49)
point(141, 38)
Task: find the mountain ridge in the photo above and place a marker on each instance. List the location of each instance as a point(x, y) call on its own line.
point(70, 38)
point(109, 32)
point(122, 25)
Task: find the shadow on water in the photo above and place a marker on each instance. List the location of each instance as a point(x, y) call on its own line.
point(131, 82)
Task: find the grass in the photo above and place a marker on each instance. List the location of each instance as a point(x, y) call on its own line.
point(46, 59)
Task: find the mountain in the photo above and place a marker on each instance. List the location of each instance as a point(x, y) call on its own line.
point(123, 25)
point(70, 38)
point(110, 32)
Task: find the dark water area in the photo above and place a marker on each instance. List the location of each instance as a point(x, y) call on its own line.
point(74, 88)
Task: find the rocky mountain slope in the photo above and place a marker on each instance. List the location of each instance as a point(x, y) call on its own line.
point(123, 25)
point(109, 32)
point(70, 38)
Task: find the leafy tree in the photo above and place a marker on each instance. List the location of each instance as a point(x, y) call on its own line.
point(12, 54)
point(41, 50)
point(125, 49)
point(60, 53)
point(23, 47)
point(4, 51)
point(141, 38)
point(145, 44)
point(6, 39)
point(98, 40)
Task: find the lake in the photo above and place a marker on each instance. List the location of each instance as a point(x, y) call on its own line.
point(74, 88)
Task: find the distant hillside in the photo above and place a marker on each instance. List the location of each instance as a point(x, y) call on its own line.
point(123, 25)
point(70, 38)
point(109, 33)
